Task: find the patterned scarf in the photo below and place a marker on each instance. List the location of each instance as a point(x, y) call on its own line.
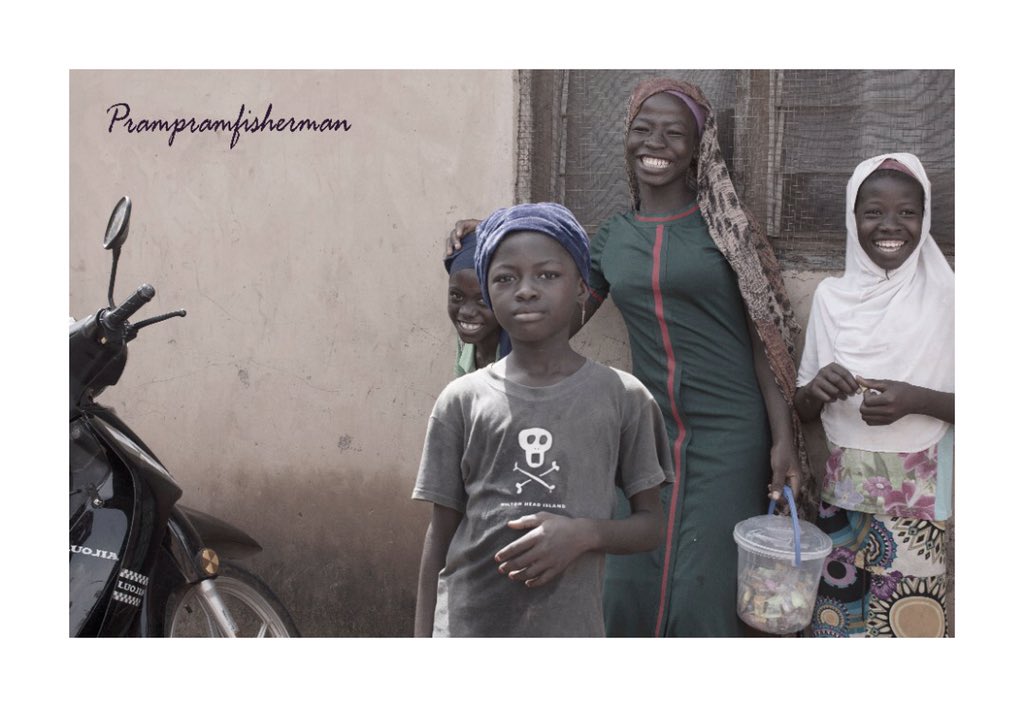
point(746, 248)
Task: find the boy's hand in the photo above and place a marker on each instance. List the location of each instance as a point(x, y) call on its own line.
point(833, 382)
point(553, 542)
point(454, 240)
point(891, 400)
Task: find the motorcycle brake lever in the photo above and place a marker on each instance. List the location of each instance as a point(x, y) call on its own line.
point(132, 330)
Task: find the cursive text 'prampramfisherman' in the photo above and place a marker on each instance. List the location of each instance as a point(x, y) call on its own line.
point(121, 112)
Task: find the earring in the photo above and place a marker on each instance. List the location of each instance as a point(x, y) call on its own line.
point(583, 315)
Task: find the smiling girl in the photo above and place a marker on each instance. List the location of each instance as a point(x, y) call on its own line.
point(480, 335)
point(878, 369)
point(710, 331)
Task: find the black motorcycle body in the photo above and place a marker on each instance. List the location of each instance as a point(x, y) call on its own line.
point(137, 557)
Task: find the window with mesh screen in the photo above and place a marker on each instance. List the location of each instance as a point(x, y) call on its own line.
point(791, 139)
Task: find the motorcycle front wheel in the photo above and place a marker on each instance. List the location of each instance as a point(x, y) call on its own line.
point(255, 609)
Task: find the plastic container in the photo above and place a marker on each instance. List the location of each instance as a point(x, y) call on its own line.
point(780, 562)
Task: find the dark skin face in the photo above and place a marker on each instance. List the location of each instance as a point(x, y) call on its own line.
point(660, 145)
point(473, 320)
point(535, 289)
point(889, 211)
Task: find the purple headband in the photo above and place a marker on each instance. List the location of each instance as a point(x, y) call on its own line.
point(698, 112)
point(896, 165)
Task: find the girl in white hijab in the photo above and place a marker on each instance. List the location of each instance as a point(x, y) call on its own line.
point(877, 368)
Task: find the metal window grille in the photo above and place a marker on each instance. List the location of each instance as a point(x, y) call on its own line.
point(791, 139)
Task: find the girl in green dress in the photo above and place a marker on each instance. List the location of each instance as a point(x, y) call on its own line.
point(711, 335)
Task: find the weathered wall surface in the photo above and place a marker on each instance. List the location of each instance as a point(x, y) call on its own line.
point(292, 400)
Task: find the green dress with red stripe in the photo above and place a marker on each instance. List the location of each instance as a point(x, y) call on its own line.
point(691, 347)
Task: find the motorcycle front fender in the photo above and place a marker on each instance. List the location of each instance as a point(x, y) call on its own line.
point(227, 540)
point(181, 563)
point(190, 531)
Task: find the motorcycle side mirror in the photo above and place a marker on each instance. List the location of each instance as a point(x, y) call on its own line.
point(117, 226)
point(117, 233)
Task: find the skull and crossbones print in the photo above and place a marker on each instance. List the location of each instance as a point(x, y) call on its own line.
point(536, 442)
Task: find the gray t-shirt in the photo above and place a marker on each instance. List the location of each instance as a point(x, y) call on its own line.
point(495, 451)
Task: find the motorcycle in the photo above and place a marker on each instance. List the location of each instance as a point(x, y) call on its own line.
point(142, 564)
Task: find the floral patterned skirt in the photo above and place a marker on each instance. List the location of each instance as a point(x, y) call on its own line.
point(885, 577)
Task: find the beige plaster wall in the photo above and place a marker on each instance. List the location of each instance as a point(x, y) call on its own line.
point(292, 400)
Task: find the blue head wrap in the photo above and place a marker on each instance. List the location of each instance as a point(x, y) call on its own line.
point(464, 257)
point(549, 218)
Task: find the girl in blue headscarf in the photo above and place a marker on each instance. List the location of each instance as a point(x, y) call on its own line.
point(480, 336)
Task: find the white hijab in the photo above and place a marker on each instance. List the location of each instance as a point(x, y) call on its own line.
point(884, 326)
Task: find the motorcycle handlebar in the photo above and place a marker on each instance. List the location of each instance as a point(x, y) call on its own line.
point(114, 319)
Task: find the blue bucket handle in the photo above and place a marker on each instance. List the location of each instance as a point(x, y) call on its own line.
point(796, 522)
